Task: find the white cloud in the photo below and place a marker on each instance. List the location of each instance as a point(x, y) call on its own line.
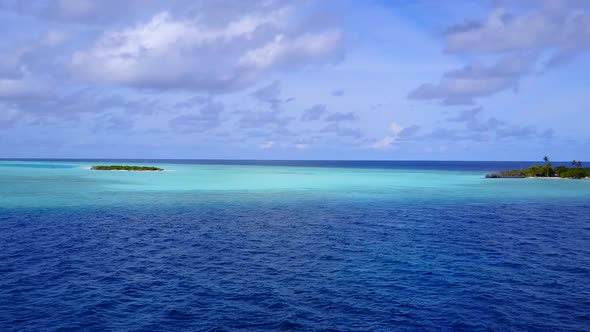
point(395, 128)
point(182, 53)
point(388, 141)
point(461, 86)
point(547, 27)
point(385, 143)
point(283, 49)
point(398, 132)
point(516, 40)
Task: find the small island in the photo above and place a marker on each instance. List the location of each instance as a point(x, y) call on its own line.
point(126, 168)
point(545, 171)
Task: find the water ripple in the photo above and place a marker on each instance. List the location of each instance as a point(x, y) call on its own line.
point(297, 266)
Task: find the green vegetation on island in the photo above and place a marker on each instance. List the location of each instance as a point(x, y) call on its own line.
point(125, 168)
point(546, 171)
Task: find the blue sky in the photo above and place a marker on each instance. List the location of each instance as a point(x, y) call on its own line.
point(418, 80)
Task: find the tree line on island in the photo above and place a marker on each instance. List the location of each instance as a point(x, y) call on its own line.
point(124, 168)
point(576, 171)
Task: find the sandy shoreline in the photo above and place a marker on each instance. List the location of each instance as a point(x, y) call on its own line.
point(553, 178)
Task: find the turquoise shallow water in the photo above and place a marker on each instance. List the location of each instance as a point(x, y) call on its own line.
point(296, 246)
point(60, 184)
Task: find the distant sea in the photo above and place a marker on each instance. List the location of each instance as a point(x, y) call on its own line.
point(215, 245)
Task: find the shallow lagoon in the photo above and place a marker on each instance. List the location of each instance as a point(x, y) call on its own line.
point(30, 184)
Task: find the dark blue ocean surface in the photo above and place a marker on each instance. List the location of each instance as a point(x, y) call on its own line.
point(297, 260)
point(376, 164)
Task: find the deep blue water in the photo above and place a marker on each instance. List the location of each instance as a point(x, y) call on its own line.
point(378, 164)
point(188, 260)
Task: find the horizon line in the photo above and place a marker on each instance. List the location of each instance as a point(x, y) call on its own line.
point(277, 160)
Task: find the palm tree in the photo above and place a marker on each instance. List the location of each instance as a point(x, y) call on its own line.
point(574, 163)
point(579, 164)
point(547, 165)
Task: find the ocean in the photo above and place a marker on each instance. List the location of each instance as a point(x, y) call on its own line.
point(291, 245)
